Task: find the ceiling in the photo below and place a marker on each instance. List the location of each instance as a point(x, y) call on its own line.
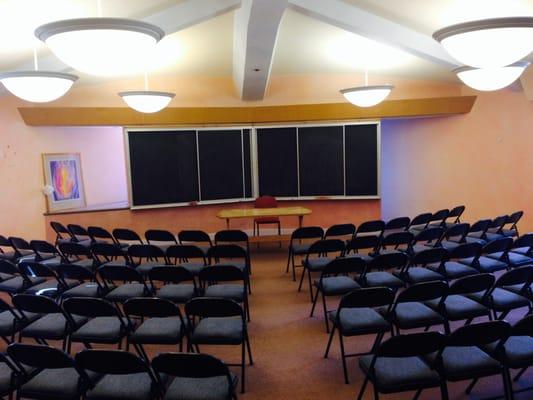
point(251, 40)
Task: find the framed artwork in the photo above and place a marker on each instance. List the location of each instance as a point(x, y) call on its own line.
point(63, 181)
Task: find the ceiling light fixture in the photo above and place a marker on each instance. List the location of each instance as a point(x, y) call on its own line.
point(146, 101)
point(488, 43)
point(101, 46)
point(37, 86)
point(367, 96)
point(488, 79)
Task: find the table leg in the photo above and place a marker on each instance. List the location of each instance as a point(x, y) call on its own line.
point(227, 223)
point(300, 220)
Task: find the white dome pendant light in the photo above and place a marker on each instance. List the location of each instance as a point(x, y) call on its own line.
point(146, 101)
point(101, 46)
point(37, 86)
point(368, 95)
point(488, 79)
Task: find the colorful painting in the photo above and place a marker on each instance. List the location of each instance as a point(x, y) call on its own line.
point(63, 181)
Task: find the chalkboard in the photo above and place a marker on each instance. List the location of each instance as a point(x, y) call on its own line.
point(159, 174)
point(277, 162)
point(361, 160)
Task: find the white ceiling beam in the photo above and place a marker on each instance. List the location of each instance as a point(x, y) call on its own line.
point(255, 31)
point(371, 26)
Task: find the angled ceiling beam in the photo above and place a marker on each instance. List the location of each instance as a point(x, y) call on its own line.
point(371, 26)
point(255, 31)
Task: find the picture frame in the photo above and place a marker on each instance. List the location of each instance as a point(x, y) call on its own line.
point(64, 189)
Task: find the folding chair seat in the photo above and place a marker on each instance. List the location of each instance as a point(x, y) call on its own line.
point(88, 285)
point(357, 315)
point(410, 309)
point(52, 286)
point(454, 236)
point(364, 247)
point(317, 257)
point(419, 223)
point(79, 234)
point(438, 218)
point(52, 374)
point(221, 322)
point(396, 225)
point(185, 255)
point(493, 256)
point(335, 280)
point(494, 231)
point(53, 323)
point(110, 255)
point(512, 221)
point(16, 281)
point(397, 365)
point(370, 228)
point(301, 239)
point(476, 233)
point(99, 234)
point(144, 257)
point(427, 238)
point(231, 254)
point(125, 376)
point(76, 254)
point(463, 358)
point(454, 217)
point(452, 268)
point(376, 274)
point(23, 250)
point(160, 238)
point(8, 269)
point(340, 231)
point(195, 237)
point(161, 323)
point(46, 253)
point(456, 305)
point(195, 376)
point(520, 252)
point(125, 237)
point(6, 250)
point(178, 284)
point(396, 242)
point(122, 283)
point(63, 235)
point(11, 376)
point(11, 322)
point(105, 324)
point(227, 282)
point(417, 271)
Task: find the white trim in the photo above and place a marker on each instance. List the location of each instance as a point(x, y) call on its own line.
point(254, 163)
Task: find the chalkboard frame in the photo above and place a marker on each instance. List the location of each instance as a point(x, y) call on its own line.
point(254, 161)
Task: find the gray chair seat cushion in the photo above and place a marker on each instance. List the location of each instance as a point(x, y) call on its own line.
point(449, 244)
point(414, 315)
point(212, 388)
point(473, 239)
point(9, 324)
point(158, 331)
point(179, 293)
point(4, 276)
point(193, 267)
point(501, 300)
point(382, 278)
point(51, 326)
point(525, 251)
point(459, 363)
point(420, 274)
point(517, 259)
point(218, 331)
point(122, 387)
point(400, 374)
point(5, 379)
point(455, 270)
point(99, 330)
point(52, 262)
point(7, 255)
point(83, 290)
point(458, 307)
point(417, 248)
point(17, 284)
point(51, 287)
point(487, 264)
point(337, 285)
point(300, 248)
point(493, 236)
point(61, 383)
point(518, 351)
point(316, 263)
point(365, 257)
point(360, 321)
point(226, 291)
point(146, 267)
point(85, 263)
point(125, 292)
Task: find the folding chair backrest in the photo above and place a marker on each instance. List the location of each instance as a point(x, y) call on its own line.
point(367, 297)
point(395, 239)
point(231, 236)
point(308, 232)
point(456, 213)
point(472, 284)
point(113, 362)
point(159, 235)
point(344, 265)
point(61, 230)
point(326, 246)
point(122, 235)
point(498, 223)
point(194, 236)
point(184, 251)
point(429, 235)
point(221, 273)
point(7, 267)
point(389, 261)
point(19, 243)
point(118, 273)
point(397, 223)
point(423, 292)
point(78, 232)
point(497, 246)
point(518, 276)
point(99, 233)
point(190, 365)
point(358, 243)
point(138, 252)
point(421, 221)
point(458, 231)
point(4, 242)
point(374, 227)
point(440, 216)
point(480, 226)
point(465, 250)
point(411, 345)
point(42, 249)
point(523, 327)
point(36, 304)
point(76, 272)
point(105, 252)
point(226, 251)
point(89, 307)
point(39, 356)
point(72, 249)
point(514, 218)
point(340, 230)
point(524, 241)
point(213, 307)
point(429, 256)
point(151, 307)
point(36, 269)
point(172, 274)
point(479, 334)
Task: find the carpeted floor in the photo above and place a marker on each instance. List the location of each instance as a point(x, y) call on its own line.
point(288, 346)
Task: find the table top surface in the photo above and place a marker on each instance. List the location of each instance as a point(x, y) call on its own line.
point(263, 212)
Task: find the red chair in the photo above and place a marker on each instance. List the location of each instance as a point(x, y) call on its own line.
point(266, 202)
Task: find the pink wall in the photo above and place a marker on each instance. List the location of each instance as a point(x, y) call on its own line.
point(483, 160)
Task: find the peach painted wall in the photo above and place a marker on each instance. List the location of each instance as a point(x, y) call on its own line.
point(483, 160)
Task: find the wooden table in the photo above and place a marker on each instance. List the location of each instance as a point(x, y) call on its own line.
point(264, 212)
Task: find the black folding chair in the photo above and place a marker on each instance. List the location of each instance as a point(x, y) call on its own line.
point(455, 216)
point(221, 322)
point(438, 218)
point(188, 256)
point(364, 247)
point(340, 231)
point(102, 235)
point(125, 376)
point(87, 283)
point(110, 255)
point(377, 272)
point(15, 280)
point(160, 323)
point(11, 322)
point(144, 257)
point(397, 365)
point(195, 376)
point(62, 233)
point(301, 239)
point(335, 280)
point(122, 283)
point(520, 252)
point(233, 236)
point(79, 234)
point(396, 242)
point(197, 238)
point(417, 271)
point(454, 236)
point(176, 283)
point(160, 238)
point(75, 253)
point(125, 237)
point(46, 253)
point(395, 225)
point(494, 231)
point(429, 237)
point(493, 256)
point(512, 221)
point(476, 233)
point(357, 315)
point(23, 250)
point(231, 254)
point(370, 228)
point(106, 325)
point(48, 373)
point(6, 250)
point(419, 223)
point(52, 286)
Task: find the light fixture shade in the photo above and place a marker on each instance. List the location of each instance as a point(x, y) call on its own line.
point(147, 101)
point(488, 43)
point(367, 96)
point(101, 46)
point(487, 79)
point(37, 86)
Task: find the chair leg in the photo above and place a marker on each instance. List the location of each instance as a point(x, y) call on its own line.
point(243, 364)
point(517, 377)
point(362, 391)
point(330, 340)
point(444, 391)
point(417, 394)
point(508, 385)
point(344, 367)
point(302, 279)
point(315, 298)
point(288, 261)
point(279, 233)
point(310, 284)
point(324, 306)
point(471, 386)
point(249, 348)
point(376, 393)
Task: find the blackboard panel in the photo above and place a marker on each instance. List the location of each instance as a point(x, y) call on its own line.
point(361, 160)
point(278, 168)
point(221, 175)
point(247, 163)
point(321, 161)
point(163, 167)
